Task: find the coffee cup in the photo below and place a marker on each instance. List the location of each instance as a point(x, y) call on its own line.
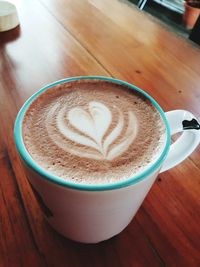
point(91, 213)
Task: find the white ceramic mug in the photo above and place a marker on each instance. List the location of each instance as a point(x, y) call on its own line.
point(93, 213)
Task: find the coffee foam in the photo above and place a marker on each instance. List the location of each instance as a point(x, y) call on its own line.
point(92, 132)
point(87, 127)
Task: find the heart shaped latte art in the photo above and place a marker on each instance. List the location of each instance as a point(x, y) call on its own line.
point(91, 129)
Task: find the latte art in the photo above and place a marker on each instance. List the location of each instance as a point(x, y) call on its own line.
point(92, 132)
point(89, 127)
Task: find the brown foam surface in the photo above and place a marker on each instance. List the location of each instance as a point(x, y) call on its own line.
point(92, 132)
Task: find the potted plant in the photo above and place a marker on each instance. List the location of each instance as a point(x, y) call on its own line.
point(192, 11)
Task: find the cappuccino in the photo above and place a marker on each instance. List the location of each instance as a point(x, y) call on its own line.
point(93, 131)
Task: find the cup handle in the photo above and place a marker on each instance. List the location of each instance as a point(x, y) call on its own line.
point(181, 121)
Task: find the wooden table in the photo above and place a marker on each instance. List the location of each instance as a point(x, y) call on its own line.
point(63, 38)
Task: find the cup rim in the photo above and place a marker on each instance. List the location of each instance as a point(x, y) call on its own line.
point(25, 156)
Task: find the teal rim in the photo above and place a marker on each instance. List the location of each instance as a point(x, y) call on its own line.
point(59, 181)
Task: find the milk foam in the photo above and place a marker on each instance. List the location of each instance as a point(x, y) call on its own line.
point(92, 126)
point(93, 132)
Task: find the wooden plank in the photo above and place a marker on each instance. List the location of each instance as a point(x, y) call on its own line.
point(41, 52)
point(173, 224)
point(144, 53)
point(2, 145)
point(16, 241)
point(133, 21)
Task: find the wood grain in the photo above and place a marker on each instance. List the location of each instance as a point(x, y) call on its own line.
point(142, 53)
point(58, 39)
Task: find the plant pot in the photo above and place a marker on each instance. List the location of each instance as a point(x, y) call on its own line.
point(190, 15)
